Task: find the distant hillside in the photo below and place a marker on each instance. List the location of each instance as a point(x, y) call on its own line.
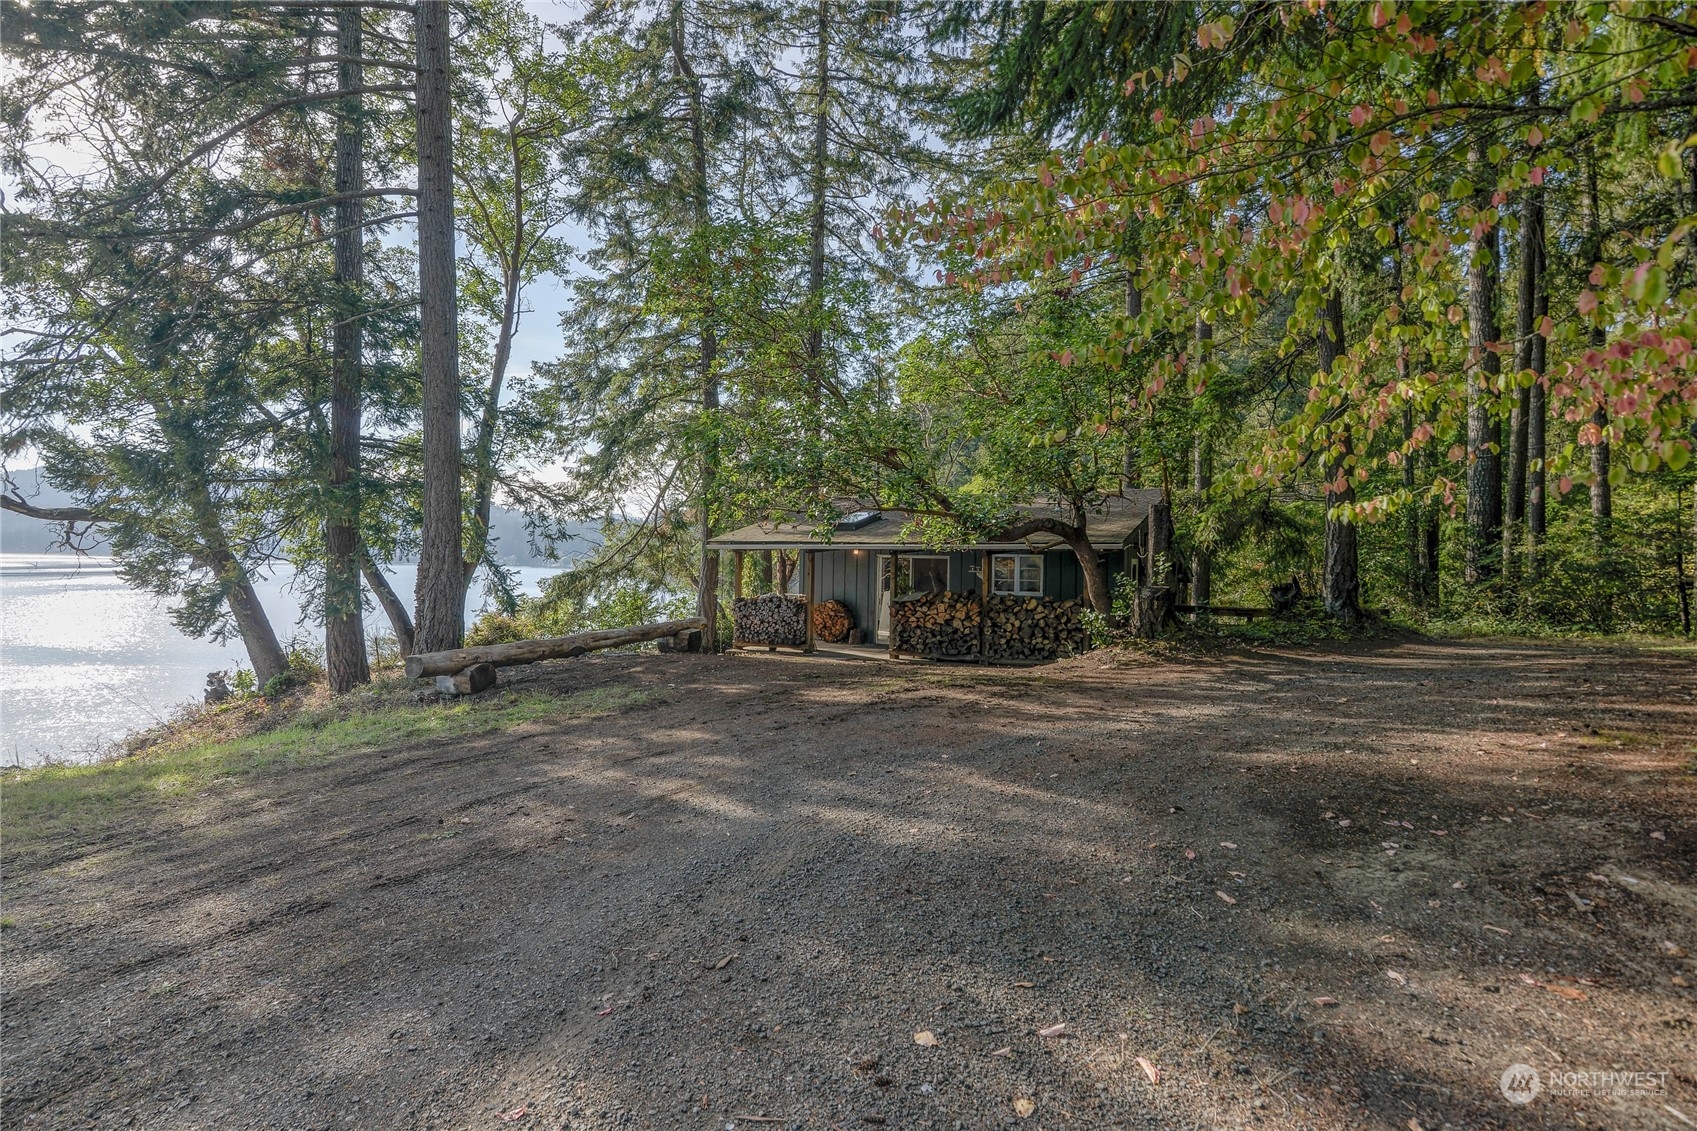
point(512, 541)
point(22, 535)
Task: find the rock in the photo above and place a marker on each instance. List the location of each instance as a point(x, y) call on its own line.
point(217, 687)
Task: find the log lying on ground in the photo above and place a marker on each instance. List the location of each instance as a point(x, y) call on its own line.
point(771, 618)
point(832, 622)
point(478, 677)
point(548, 648)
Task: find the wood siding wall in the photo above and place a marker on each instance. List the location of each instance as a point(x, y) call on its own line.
point(853, 578)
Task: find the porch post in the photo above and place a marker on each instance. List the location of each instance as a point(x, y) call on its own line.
point(984, 610)
point(736, 572)
point(808, 565)
point(892, 640)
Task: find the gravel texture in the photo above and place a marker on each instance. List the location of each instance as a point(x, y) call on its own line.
point(1274, 889)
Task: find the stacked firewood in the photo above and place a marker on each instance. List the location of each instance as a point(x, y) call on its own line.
point(832, 621)
point(936, 624)
point(1034, 628)
point(771, 618)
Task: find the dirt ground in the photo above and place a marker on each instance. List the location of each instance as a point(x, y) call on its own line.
point(1269, 890)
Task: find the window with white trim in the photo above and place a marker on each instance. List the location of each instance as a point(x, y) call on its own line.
point(1016, 575)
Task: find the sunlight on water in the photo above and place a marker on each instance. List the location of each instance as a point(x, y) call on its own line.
point(86, 660)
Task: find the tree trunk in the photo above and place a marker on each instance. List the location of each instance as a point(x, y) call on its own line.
point(1681, 586)
point(1340, 571)
point(1411, 530)
point(816, 224)
point(263, 651)
point(1076, 535)
point(1201, 480)
point(1096, 589)
point(1155, 596)
point(1520, 414)
point(1602, 493)
point(1602, 496)
point(441, 565)
point(483, 447)
point(1484, 512)
point(213, 553)
point(763, 572)
point(1536, 410)
point(1131, 472)
point(344, 624)
point(400, 623)
point(1163, 571)
point(1422, 571)
point(707, 587)
point(453, 660)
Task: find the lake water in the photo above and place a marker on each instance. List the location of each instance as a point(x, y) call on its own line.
point(85, 660)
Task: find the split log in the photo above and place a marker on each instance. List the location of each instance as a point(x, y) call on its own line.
point(547, 648)
point(832, 622)
point(1034, 628)
point(771, 618)
point(937, 625)
point(946, 626)
point(682, 642)
point(478, 677)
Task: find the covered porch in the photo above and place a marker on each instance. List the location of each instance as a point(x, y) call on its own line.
point(867, 586)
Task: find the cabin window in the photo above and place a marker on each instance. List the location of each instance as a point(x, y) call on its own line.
point(921, 573)
point(1016, 575)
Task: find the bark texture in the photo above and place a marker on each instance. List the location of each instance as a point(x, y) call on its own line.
point(1537, 412)
point(1602, 493)
point(1340, 570)
point(546, 648)
point(400, 621)
point(1484, 511)
point(1201, 481)
point(441, 565)
point(707, 579)
point(344, 624)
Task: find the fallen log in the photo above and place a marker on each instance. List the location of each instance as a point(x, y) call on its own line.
point(478, 677)
point(547, 648)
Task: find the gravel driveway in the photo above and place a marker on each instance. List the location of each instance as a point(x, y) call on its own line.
point(1294, 889)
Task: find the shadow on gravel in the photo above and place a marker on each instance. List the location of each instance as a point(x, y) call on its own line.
point(1270, 890)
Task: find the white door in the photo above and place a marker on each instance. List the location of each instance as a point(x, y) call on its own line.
point(883, 629)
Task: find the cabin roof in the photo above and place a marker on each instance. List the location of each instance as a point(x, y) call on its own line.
point(1108, 524)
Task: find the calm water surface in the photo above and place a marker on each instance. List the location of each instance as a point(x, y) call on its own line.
point(86, 660)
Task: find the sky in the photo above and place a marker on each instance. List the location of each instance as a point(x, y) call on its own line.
point(538, 338)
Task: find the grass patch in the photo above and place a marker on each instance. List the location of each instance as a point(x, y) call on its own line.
point(45, 804)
